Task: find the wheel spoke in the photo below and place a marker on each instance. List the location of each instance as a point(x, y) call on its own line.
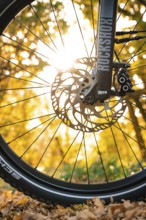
point(79, 25)
point(129, 145)
point(138, 52)
point(117, 149)
point(23, 88)
point(133, 30)
point(34, 35)
point(26, 120)
point(76, 159)
point(120, 14)
point(86, 159)
point(26, 47)
point(20, 67)
point(30, 130)
point(45, 30)
point(47, 147)
point(93, 22)
point(53, 10)
point(101, 159)
point(28, 148)
point(99, 153)
point(16, 78)
point(23, 100)
point(65, 154)
point(131, 137)
point(137, 67)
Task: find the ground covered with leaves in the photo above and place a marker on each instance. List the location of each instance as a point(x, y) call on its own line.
point(16, 206)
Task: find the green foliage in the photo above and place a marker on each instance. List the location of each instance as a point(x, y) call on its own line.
point(96, 172)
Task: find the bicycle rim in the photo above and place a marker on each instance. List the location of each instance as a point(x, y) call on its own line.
point(48, 56)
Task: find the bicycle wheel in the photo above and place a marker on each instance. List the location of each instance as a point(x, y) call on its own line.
point(53, 146)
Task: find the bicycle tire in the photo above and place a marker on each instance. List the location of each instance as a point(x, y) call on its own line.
point(18, 171)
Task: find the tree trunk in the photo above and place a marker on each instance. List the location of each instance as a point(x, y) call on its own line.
point(137, 130)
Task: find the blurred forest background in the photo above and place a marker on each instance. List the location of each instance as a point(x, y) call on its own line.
point(25, 65)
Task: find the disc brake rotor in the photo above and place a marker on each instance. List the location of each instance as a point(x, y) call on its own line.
point(68, 106)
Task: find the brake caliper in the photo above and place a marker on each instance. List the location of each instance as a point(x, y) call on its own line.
point(124, 82)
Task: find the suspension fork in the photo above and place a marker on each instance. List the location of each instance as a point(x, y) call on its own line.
point(105, 47)
point(101, 88)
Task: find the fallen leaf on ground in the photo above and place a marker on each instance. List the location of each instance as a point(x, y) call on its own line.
point(16, 206)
